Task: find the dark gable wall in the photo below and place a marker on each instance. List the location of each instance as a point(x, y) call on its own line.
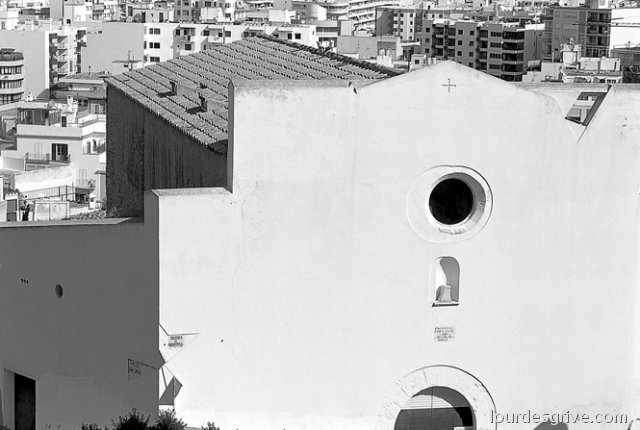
point(145, 152)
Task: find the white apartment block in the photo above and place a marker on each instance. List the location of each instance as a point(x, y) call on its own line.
point(50, 52)
point(159, 11)
point(123, 46)
point(55, 134)
point(83, 11)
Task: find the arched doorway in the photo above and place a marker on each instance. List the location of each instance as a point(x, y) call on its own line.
point(437, 384)
point(436, 408)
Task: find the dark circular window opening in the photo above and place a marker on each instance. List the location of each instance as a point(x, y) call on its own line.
point(59, 291)
point(451, 201)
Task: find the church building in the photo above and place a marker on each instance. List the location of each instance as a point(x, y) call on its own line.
point(436, 250)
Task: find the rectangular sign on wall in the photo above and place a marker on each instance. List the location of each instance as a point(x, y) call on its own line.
point(444, 334)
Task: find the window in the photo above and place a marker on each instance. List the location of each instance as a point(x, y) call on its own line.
point(459, 42)
point(156, 31)
point(227, 34)
point(495, 56)
point(416, 61)
point(177, 32)
point(59, 152)
point(205, 32)
point(471, 54)
point(494, 66)
point(144, 46)
point(459, 31)
point(459, 53)
point(298, 36)
point(471, 43)
point(207, 4)
point(187, 47)
point(289, 36)
point(472, 33)
point(496, 34)
point(470, 64)
point(495, 45)
point(154, 45)
point(426, 50)
point(154, 59)
point(428, 30)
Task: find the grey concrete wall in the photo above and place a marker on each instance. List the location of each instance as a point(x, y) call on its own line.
point(75, 340)
point(144, 152)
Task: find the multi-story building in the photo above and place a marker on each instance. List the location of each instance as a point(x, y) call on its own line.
point(80, 11)
point(11, 76)
point(496, 48)
point(123, 46)
point(217, 34)
point(9, 18)
point(51, 134)
point(363, 12)
point(149, 11)
point(50, 52)
point(89, 89)
point(587, 27)
point(403, 22)
point(329, 31)
point(502, 50)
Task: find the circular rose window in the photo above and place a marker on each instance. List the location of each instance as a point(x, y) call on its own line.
point(449, 203)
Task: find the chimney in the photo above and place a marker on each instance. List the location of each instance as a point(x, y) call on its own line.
point(177, 89)
point(204, 105)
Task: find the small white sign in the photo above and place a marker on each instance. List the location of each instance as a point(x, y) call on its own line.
point(445, 334)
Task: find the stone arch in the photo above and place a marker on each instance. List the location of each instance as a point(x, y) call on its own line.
point(451, 377)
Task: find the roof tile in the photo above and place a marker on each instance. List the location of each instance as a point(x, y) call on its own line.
point(209, 73)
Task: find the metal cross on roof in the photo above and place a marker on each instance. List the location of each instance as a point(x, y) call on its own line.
point(449, 85)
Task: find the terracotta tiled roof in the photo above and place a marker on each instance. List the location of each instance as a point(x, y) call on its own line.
point(208, 73)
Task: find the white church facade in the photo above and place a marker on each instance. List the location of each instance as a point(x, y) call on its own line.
point(437, 250)
point(438, 238)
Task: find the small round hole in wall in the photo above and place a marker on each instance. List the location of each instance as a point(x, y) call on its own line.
point(451, 201)
point(59, 291)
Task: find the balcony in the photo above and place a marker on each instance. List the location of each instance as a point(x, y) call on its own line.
point(88, 184)
point(60, 158)
point(33, 158)
point(513, 48)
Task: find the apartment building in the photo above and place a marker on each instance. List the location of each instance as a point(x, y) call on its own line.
point(403, 22)
point(584, 26)
point(334, 10)
point(158, 11)
point(502, 50)
point(53, 134)
point(123, 46)
point(497, 48)
point(50, 52)
point(80, 11)
point(11, 76)
point(363, 12)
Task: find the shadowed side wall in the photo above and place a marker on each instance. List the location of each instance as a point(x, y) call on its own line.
point(75, 341)
point(145, 152)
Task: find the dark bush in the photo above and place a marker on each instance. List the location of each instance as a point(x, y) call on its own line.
point(210, 426)
point(93, 426)
point(167, 420)
point(132, 421)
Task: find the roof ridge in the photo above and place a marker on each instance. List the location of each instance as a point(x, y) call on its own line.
point(326, 53)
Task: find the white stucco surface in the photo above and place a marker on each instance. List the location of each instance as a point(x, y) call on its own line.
point(312, 292)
